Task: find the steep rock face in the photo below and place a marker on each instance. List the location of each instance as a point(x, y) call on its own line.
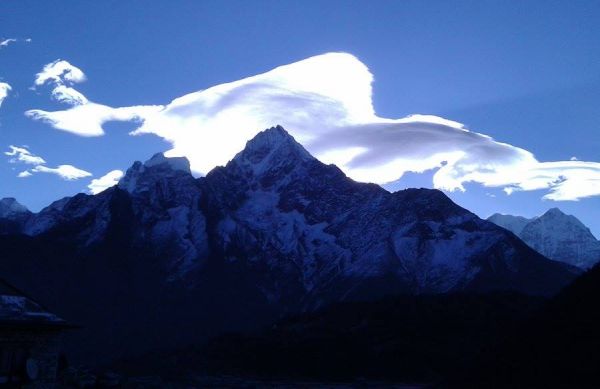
point(165, 199)
point(164, 258)
point(556, 235)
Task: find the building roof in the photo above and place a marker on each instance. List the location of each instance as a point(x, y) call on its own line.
point(19, 310)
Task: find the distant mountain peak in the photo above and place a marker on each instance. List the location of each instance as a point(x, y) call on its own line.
point(555, 234)
point(554, 212)
point(9, 206)
point(515, 224)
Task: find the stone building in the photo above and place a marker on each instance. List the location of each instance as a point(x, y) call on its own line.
point(29, 341)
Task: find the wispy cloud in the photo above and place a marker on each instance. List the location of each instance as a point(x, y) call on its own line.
point(66, 172)
point(22, 154)
point(4, 89)
point(87, 119)
point(108, 180)
point(4, 42)
point(24, 174)
point(326, 104)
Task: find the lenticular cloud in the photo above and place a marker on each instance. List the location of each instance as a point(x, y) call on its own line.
point(325, 103)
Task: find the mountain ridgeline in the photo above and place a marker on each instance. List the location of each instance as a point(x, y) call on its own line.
point(555, 235)
point(165, 259)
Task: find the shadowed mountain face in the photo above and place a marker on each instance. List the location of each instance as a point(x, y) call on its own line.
point(165, 259)
point(13, 215)
point(556, 235)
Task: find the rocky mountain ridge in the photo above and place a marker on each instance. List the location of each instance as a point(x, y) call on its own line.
point(274, 231)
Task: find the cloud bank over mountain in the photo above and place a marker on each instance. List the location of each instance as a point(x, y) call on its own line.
point(325, 102)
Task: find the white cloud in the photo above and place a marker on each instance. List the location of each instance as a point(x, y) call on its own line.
point(62, 75)
point(66, 172)
point(6, 42)
point(4, 89)
point(24, 174)
point(325, 103)
point(59, 72)
point(65, 94)
point(110, 179)
point(567, 180)
point(87, 119)
point(22, 154)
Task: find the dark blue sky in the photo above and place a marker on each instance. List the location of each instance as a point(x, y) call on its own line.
point(526, 73)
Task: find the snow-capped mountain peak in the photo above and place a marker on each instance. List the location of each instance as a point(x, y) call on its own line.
point(271, 148)
point(555, 234)
point(556, 215)
point(560, 225)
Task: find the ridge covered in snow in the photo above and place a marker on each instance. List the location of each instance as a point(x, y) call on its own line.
point(556, 235)
point(512, 223)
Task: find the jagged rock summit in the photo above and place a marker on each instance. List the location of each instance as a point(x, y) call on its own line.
point(272, 232)
point(140, 175)
point(556, 235)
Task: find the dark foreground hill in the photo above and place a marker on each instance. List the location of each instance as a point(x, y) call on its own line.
point(421, 339)
point(559, 347)
point(456, 340)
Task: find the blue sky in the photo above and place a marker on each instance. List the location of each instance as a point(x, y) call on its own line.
point(525, 73)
